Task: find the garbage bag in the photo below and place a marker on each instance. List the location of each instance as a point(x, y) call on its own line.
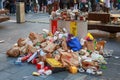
point(74, 44)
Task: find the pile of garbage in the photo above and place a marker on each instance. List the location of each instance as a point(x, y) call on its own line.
point(60, 51)
point(68, 15)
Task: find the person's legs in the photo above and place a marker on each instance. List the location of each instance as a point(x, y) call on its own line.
point(13, 8)
point(61, 5)
point(0, 4)
point(75, 6)
point(119, 6)
point(27, 8)
point(111, 6)
point(40, 6)
point(49, 8)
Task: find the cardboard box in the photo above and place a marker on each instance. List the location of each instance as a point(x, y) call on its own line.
point(77, 28)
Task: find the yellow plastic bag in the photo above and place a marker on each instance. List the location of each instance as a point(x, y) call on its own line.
point(53, 62)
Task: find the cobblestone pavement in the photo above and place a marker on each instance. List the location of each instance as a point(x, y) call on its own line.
point(10, 31)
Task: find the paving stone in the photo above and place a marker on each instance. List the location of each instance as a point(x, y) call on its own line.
point(61, 75)
point(52, 78)
point(4, 75)
point(22, 72)
point(75, 77)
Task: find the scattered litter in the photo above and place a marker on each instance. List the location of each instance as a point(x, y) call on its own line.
point(48, 72)
point(2, 41)
point(81, 70)
point(108, 53)
point(103, 67)
point(18, 62)
point(99, 73)
point(35, 74)
point(116, 57)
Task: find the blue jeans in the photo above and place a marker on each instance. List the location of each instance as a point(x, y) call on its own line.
point(119, 6)
point(12, 8)
point(27, 8)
